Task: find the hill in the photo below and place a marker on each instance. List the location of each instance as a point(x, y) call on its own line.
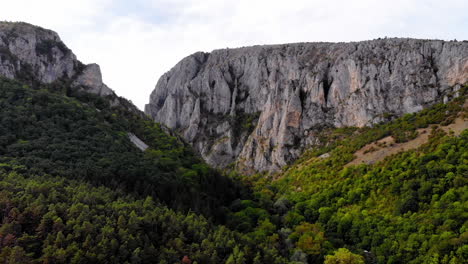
point(409, 207)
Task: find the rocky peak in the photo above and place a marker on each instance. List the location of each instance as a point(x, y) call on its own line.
point(34, 54)
point(259, 107)
point(91, 78)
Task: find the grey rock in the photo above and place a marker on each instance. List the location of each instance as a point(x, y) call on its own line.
point(91, 80)
point(260, 107)
point(324, 156)
point(35, 54)
point(30, 50)
point(137, 142)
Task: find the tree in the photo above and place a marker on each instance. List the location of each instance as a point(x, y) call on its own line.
point(60, 240)
point(344, 256)
point(299, 256)
point(309, 238)
point(18, 256)
point(186, 260)
point(135, 259)
point(237, 257)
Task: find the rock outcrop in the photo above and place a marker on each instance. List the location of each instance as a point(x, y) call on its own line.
point(35, 54)
point(259, 107)
point(137, 142)
point(91, 78)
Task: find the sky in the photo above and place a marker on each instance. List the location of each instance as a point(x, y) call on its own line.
point(136, 41)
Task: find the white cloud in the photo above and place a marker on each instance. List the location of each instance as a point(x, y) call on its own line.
point(134, 49)
point(54, 14)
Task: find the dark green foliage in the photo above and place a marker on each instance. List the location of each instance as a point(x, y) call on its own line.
point(245, 121)
point(74, 189)
point(54, 139)
point(87, 139)
point(53, 220)
point(45, 48)
point(243, 124)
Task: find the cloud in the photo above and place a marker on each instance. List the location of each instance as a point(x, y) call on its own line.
point(54, 13)
point(135, 42)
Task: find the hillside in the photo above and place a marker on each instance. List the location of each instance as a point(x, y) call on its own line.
point(82, 137)
point(59, 118)
point(56, 210)
point(49, 219)
point(380, 149)
point(85, 177)
point(408, 208)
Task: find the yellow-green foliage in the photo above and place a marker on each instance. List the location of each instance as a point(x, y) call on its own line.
point(410, 208)
point(344, 256)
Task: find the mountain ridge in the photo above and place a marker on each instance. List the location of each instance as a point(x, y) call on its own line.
point(271, 100)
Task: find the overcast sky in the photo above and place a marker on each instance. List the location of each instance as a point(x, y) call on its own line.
point(136, 41)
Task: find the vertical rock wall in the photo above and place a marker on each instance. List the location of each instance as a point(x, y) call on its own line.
point(259, 106)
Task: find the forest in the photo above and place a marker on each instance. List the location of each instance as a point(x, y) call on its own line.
point(74, 189)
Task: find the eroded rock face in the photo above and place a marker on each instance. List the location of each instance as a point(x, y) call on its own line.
point(91, 78)
point(260, 106)
point(32, 53)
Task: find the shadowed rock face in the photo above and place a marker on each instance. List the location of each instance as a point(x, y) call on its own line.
point(35, 54)
point(261, 106)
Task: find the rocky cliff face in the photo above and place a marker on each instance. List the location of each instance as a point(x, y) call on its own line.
point(261, 106)
point(35, 54)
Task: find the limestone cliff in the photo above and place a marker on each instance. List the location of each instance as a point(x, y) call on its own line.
point(37, 55)
point(260, 106)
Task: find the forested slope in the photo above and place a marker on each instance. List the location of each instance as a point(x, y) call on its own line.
point(74, 189)
point(49, 219)
point(409, 208)
point(81, 136)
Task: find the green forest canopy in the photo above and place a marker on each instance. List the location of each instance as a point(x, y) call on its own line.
point(75, 190)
